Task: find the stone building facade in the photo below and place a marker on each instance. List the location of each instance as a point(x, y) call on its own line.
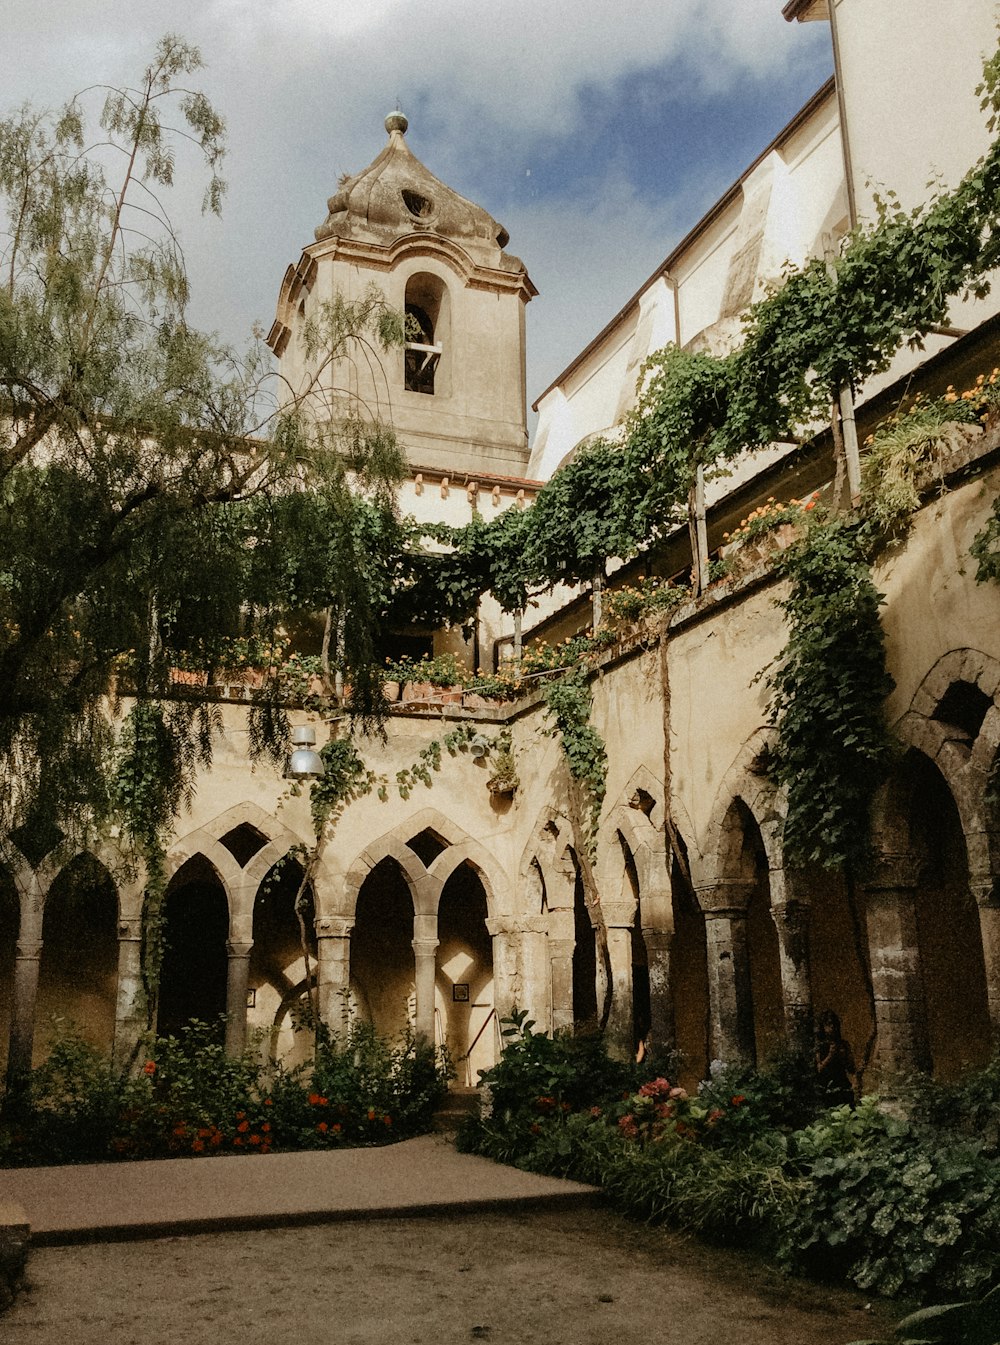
point(445, 909)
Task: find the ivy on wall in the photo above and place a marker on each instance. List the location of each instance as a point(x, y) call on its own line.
point(828, 696)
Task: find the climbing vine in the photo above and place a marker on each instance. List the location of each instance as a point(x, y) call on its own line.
point(828, 696)
point(429, 760)
point(569, 702)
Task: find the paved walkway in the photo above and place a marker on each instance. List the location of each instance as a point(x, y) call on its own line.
point(111, 1201)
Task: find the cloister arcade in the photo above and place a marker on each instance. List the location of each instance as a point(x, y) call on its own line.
point(717, 949)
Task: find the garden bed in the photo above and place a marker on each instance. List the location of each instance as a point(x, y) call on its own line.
point(894, 1206)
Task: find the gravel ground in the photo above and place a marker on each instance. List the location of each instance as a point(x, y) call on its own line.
point(570, 1277)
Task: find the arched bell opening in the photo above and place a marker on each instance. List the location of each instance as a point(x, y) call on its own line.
point(195, 961)
point(426, 354)
point(382, 961)
point(78, 971)
point(278, 1007)
point(464, 988)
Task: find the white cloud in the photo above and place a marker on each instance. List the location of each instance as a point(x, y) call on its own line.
point(304, 85)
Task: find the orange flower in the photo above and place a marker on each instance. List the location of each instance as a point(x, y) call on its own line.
point(149, 1067)
point(269, 1102)
point(266, 1127)
point(335, 1127)
point(237, 1142)
point(323, 1127)
point(738, 1100)
point(197, 1146)
point(243, 1127)
point(254, 1139)
point(371, 1115)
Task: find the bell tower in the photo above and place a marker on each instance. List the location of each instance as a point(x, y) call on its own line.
point(456, 393)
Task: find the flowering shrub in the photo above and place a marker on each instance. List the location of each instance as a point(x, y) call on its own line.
point(442, 671)
point(902, 447)
point(980, 401)
point(891, 1206)
point(769, 516)
point(189, 1098)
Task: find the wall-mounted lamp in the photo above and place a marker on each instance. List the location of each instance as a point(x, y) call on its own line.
point(305, 763)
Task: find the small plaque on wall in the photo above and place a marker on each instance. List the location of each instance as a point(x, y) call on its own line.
point(460, 992)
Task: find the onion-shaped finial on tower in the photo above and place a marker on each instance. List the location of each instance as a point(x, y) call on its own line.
point(395, 121)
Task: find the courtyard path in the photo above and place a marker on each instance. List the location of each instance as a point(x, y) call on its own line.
point(566, 1276)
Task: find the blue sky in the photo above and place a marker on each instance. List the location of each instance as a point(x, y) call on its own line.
point(597, 133)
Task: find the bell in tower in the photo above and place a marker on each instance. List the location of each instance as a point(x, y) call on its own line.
point(455, 393)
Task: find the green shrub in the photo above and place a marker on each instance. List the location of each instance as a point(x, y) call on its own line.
point(190, 1098)
point(891, 1207)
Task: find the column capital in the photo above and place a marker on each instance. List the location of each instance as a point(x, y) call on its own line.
point(619, 914)
point(986, 891)
point(334, 926)
point(238, 950)
point(890, 872)
point(424, 947)
point(730, 897)
point(29, 950)
point(790, 912)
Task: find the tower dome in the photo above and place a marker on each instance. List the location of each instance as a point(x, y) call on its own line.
point(397, 195)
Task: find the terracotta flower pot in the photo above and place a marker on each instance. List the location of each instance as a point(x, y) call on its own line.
point(417, 691)
point(391, 690)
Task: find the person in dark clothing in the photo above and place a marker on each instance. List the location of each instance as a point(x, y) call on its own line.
point(834, 1061)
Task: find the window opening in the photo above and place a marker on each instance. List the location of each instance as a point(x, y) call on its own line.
point(422, 354)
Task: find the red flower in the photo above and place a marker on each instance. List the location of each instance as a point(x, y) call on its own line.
point(240, 1115)
point(323, 1127)
point(243, 1127)
point(738, 1100)
point(149, 1067)
point(318, 1100)
point(266, 1127)
point(255, 1139)
point(269, 1102)
point(237, 1142)
point(536, 1129)
point(197, 1146)
point(371, 1115)
point(387, 1120)
point(180, 1129)
point(335, 1127)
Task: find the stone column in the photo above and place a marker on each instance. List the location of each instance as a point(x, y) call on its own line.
point(22, 1020)
point(730, 996)
point(130, 1002)
point(560, 941)
point(425, 943)
point(900, 1009)
point(333, 972)
point(988, 901)
point(503, 941)
point(620, 1028)
point(659, 949)
point(237, 984)
point(791, 915)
